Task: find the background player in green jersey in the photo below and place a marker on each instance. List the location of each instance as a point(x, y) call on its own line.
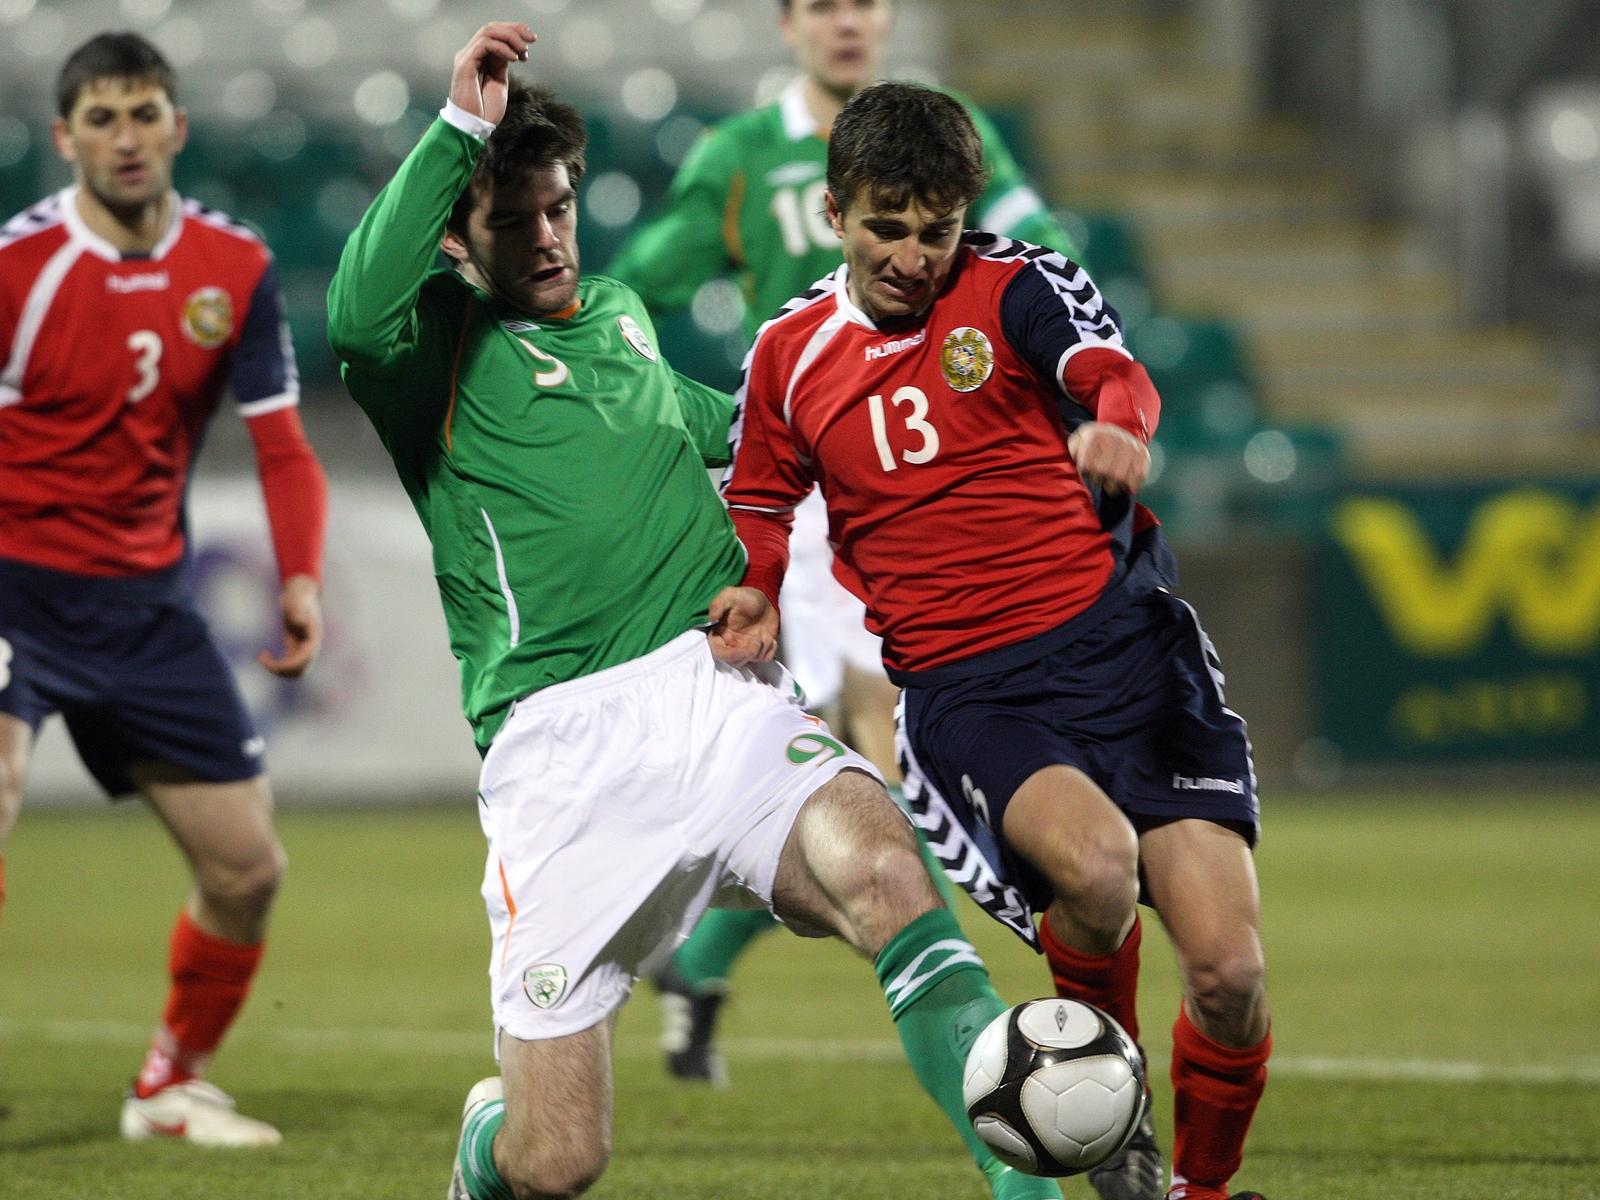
point(749, 199)
point(641, 761)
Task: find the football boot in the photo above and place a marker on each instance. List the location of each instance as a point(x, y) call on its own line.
point(1134, 1172)
point(195, 1111)
point(688, 1028)
point(483, 1092)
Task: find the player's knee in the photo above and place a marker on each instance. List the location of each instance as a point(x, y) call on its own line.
point(1228, 982)
point(896, 873)
point(1101, 875)
point(13, 770)
point(249, 884)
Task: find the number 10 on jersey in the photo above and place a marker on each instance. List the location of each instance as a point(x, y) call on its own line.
point(916, 421)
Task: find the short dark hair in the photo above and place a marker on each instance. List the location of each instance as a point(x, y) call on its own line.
point(900, 141)
point(125, 56)
point(538, 130)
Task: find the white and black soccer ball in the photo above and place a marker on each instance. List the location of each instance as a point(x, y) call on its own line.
point(1054, 1087)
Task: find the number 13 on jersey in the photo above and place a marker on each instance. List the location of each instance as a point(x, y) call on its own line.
point(916, 421)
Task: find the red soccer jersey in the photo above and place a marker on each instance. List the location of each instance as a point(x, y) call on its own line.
point(112, 366)
point(955, 511)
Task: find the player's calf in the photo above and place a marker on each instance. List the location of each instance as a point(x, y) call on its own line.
point(555, 1140)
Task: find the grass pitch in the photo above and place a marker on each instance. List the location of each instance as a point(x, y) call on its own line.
point(1435, 970)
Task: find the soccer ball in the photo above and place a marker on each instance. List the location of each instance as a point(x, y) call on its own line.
point(1054, 1087)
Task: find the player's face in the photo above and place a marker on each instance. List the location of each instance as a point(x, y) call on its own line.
point(839, 43)
point(122, 136)
point(522, 242)
point(898, 261)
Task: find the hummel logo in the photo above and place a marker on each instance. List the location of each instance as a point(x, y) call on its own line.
point(896, 346)
point(1189, 783)
point(1061, 1017)
point(150, 281)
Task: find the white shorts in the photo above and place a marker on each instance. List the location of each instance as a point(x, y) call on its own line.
point(620, 806)
point(824, 626)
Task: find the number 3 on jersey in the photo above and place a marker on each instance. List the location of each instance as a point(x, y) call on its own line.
point(916, 422)
point(146, 344)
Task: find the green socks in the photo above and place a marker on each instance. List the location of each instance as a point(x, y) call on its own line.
point(940, 879)
point(475, 1154)
point(940, 997)
point(717, 941)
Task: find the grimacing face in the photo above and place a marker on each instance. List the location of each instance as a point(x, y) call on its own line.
point(521, 241)
point(898, 261)
point(839, 43)
point(122, 136)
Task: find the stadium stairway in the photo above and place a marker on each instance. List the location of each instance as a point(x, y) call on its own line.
point(1348, 323)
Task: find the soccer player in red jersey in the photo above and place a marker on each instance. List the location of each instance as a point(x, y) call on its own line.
point(978, 430)
point(125, 311)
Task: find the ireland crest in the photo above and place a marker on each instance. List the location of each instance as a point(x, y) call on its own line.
point(545, 984)
point(635, 337)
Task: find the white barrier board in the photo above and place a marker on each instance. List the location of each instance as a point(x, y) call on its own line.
point(378, 716)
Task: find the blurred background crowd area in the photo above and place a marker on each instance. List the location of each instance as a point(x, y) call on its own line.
point(1356, 242)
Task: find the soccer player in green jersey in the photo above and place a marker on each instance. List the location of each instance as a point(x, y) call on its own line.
point(641, 761)
point(749, 200)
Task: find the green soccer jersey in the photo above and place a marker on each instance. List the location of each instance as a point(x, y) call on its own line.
point(557, 462)
point(749, 199)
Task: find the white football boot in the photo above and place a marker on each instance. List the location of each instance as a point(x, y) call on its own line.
point(482, 1093)
point(197, 1112)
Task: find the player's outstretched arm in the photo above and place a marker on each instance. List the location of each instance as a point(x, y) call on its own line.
point(684, 244)
point(373, 318)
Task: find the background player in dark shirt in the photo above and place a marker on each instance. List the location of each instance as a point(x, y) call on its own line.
point(978, 428)
point(124, 313)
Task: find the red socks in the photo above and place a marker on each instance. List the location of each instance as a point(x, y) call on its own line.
point(210, 980)
point(1216, 1091)
point(1107, 981)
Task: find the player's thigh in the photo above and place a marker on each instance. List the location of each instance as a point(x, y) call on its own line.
point(16, 746)
point(224, 829)
point(557, 1133)
point(1201, 878)
point(1066, 827)
point(852, 866)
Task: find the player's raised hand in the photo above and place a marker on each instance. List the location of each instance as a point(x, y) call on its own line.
point(744, 626)
point(301, 604)
point(479, 81)
point(1109, 456)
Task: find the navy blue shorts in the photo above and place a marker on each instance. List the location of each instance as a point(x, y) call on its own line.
point(1136, 704)
point(130, 666)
